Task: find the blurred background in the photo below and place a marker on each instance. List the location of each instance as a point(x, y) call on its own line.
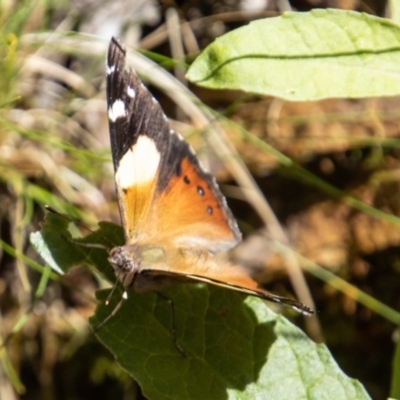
point(54, 149)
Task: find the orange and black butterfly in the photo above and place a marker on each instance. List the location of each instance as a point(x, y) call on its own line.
point(174, 217)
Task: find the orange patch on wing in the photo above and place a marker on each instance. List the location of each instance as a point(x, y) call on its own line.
point(202, 264)
point(136, 201)
point(189, 208)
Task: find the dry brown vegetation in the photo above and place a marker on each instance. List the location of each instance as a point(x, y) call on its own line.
point(54, 149)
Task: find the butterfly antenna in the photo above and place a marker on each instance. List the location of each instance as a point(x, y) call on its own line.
point(51, 209)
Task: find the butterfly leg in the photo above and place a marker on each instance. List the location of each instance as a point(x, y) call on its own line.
point(113, 312)
point(173, 325)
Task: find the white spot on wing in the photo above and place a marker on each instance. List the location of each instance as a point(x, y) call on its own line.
point(117, 110)
point(110, 69)
point(139, 164)
point(191, 149)
point(131, 92)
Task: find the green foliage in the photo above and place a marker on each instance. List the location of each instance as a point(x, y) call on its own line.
point(235, 346)
point(395, 390)
point(305, 56)
point(309, 56)
point(56, 246)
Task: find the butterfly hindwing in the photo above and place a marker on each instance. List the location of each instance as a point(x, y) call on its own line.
point(242, 284)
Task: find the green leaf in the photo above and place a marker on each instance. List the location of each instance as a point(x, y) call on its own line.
point(306, 56)
point(55, 245)
point(236, 347)
point(394, 7)
point(38, 242)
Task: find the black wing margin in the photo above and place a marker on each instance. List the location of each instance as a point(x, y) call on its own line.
point(143, 115)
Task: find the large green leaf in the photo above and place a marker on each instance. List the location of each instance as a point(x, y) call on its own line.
point(236, 347)
point(306, 56)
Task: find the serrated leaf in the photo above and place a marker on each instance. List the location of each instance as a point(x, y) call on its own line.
point(236, 347)
point(306, 56)
point(55, 245)
point(38, 242)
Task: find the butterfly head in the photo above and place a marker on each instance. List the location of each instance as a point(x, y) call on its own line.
point(129, 260)
point(125, 261)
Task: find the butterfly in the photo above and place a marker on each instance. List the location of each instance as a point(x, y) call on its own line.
point(174, 217)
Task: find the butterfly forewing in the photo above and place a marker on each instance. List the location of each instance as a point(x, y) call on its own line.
point(163, 192)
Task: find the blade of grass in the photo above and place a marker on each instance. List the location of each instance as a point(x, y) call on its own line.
point(340, 284)
point(27, 260)
point(55, 142)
